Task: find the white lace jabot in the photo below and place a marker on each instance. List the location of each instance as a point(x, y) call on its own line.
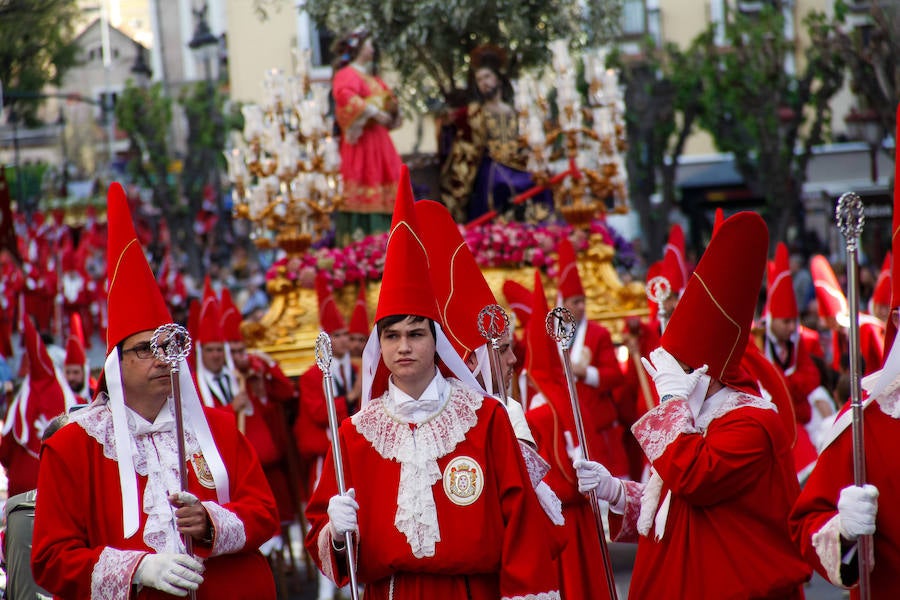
point(404, 407)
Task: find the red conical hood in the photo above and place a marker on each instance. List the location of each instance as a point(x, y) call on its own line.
point(40, 366)
point(568, 280)
point(882, 293)
point(542, 359)
point(459, 286)
point(781, 302)
point(75, 353)
point(209, 326)
point(135, 302)
point(829, 294)
point(719, 303)
point(330, 317)
point(717, 221)
point(231, 318)
point(519, 299)
point(359, 320)
point(405, 287)
point(675, 267)
point(890, 327)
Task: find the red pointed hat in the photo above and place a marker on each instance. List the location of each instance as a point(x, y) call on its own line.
point(405, 287)
point(134, 299)
point(717, 221)
point(829, 294)
point(459, 286)
point(359, 320)
point(231, 318)
point(781, 302)
point(568, 280)
point(209, 322)
point(40, 366)
point(674, 259)
point(654, 270)
point(882, 293)
point(519, 299)
point(718, 303)
point(330, 317)
point(75, 353)
point(542, 360)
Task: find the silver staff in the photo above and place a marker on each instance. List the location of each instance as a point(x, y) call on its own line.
point(493, 324)
point(850, 216)
point(171, 344)
point(323, 360)
point(561, 325)
point(658, 290)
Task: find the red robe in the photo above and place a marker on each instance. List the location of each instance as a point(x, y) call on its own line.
point(599, 410)
point(79, 547)
point(492, 533)
point(732, 486)
point(813, 521)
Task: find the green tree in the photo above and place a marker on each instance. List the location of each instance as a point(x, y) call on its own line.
point(428, 41)
point(768, 117)
point(36, 49)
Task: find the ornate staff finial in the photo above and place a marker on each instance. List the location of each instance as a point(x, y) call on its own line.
point(561, 325)
point(850, 216)
point(324, 352)
point(659, 289)
point(171, 343)
point(493, 323)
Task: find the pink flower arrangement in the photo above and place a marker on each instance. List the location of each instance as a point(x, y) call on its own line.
point(509, 245)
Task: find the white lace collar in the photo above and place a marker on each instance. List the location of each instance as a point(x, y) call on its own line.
point(403, 407)
point(164, 421)
point(417, 450)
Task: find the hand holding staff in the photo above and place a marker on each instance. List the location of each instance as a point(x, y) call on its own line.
point(561, 325)
point(493, 324)
point(850, 216)
point(323, 360)
point(171, 344)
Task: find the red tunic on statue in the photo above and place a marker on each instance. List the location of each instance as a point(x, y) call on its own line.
point(446, 507)
point(814, 522)
point(79, 548)
point(370, 165)
point(712, 519)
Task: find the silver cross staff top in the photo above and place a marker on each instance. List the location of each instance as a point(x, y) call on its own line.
point(171, 343)
point(493, 323)
point(324, 352)
point(658, 289)
point(850, 216)
point(561, 325)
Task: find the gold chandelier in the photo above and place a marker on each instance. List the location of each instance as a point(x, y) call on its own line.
point(286, 167)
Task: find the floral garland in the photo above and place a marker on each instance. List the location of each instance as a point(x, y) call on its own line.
point(495, 245)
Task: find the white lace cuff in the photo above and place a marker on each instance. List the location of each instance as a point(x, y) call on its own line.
point(633, 493)
point(536, 466)
point(551, 595)
point(827, 542)
point(661, 426)
point(326, 556)
point(228, 530)
point(112, 574)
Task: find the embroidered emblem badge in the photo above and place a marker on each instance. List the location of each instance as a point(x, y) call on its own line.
point(201, 470)
point(463, 480)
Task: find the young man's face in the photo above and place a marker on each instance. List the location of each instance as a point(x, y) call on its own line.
point(357, 344)
point(75, 376)
point(783, 329)
point(340, 343)
point(213, 356)
point(575, 305)
point(142, 374)
point(507, 359)
point(407, 349)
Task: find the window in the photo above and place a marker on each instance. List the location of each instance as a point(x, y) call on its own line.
point(634, 17)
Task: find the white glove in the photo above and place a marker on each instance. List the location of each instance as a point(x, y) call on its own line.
point(857, 507)
point(669, 377)
point(594, 476)
point(342, 514)
point(173, 573)
point(550, 502)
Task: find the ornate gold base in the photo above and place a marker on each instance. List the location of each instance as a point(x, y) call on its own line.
point(288, 331)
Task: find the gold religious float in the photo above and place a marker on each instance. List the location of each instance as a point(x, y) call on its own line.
point(287, 184)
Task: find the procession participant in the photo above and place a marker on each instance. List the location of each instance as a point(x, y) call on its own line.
point(553, 425)
point(723, 480)
point(76, 290)
point(109, 512)
point(76, 366)
point(311, 427)
point(425, 454)
point(42, 395)
point(216, 379)
point(832, 513)
point(359, 325)
point(783, 348)
point(262, 390)
point(461, 293)
point(595, 367)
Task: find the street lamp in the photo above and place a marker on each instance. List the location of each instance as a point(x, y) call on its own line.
point(865, 125)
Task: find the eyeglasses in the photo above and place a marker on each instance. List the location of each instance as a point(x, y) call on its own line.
point(142, 350)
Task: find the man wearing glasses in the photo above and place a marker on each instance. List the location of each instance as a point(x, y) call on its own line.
point(110, 514)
